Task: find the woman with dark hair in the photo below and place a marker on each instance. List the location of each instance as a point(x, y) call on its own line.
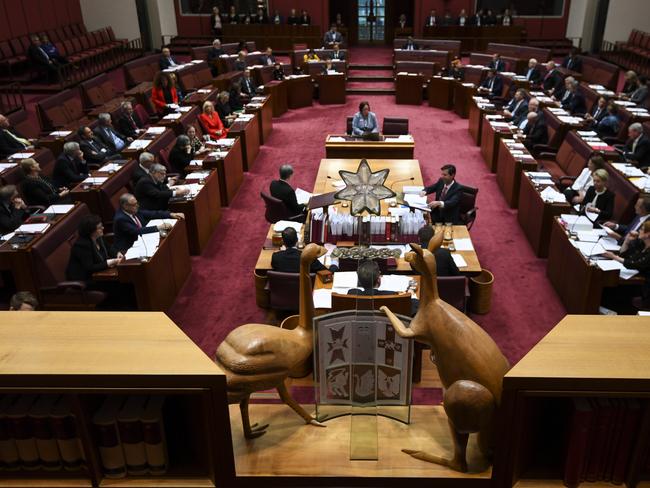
point(195, 140)
point(364, 121)
point(163, 93)
point(89, 253)
point(215, 22)
point(181, 154)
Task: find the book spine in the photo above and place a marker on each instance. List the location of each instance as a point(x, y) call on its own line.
point(23, 433)
point(68, 442)
point(155, 446)
point(577, 446)
point(9, 459)
point(110, 450)
point(628, 437)
point(133, 446)
point(48, 450)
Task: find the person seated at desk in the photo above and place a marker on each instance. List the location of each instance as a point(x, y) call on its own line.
point(328, 67)
point(145, 161)
point(153, 193)
point(128, 121)
point(163, 94)
point(635, 254)
point(195, 141)
point(293, 18)
point(533, 73)
point(166, 60)
point(236, 98)
point(446, 206)
point(242, 46)
point(282, 190)
point(637, 148)
point(401, 22)
point(277, 18)
point(224, 109)
point(260, 17)
point(70, 168)
point(640, 93)
point(268, 59)
point(629, 85)
point(211, 121)
point(305, 19)
point(572, 61)
point(89, 253)
point(278, 72)
point(214, 54)
point(492, 85)
point(456, 70)
point(332, 37)
point(533, 106)
point(575, 194)
point(552, 80)
point(13, 210)
point(575, 102)
point(497, 64)
point(130, 221)
point(432, 19)
point(507, 19)
point(535, 131)
point(38, 190)
point(598, 111)
point(310, 56)
point(248, 86)
point(106, 133)
point(562, 93)
point(445, 265)
point(641, 214)
point(94, 151)
point(462, 19)
point(215, 22)
point(181, 154)
point(490, 18)
point(337, 54)
point(10, 140)
point(598, 199)
point(51, 50)
point(240, 62)
point(232, 17)
point(23, 301)
point(410, 45)
point(517, 109)
point(288, 259)
point(364, 121)
point(609, 125)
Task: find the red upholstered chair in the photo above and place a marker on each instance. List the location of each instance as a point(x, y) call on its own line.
point(394, 126)
point(142, 113)
point(284, 290)
point(276, 210)
point(468, 206)
point(348, 125)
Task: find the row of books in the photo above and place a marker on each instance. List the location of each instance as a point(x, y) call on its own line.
point(39, 432)
point(601, 438)
point(130, 436)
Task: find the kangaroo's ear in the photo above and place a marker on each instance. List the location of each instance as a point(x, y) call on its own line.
point(435, 242)
point(416, 248)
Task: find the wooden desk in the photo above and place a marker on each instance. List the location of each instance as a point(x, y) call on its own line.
point(331, 89)
point(179, 126)
point(157, 281)
point(536, 216)
point(463, 93)
point(249, 135)
point(578, 283)
point(14, 175)
point(409, 89)
point(490, 137)
point(278, 93)
point(352, 147)
point(230, 171)
point(279, 37)
point(265, 118)
point(128, 153)
point(627, 193)
point(476, 113)
point(476, 38)
point(199, 97)
point(55, 143)
point(300, 91)
point(440, 92)
point(509, 171)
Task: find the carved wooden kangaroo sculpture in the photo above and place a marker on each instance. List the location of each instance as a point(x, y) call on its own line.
point(258, 357)
point(470, 364)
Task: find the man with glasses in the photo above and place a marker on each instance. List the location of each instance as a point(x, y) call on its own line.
point(153, 193)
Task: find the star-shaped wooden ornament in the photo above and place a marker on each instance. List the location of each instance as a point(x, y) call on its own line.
point(364, 189)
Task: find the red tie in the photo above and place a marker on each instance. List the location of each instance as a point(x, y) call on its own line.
point(137, 221)
point(443, 194)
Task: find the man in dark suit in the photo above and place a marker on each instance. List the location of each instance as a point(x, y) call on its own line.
point(247, 84)
point(214, 54)
point(240, 62)
point(573, 61)
point(13, 210)
point(282, 190)
point(432, 19)
point(448, 19)
point(478, 19)
point(145, 161)
point(153, 193)
point(609, 125)
point(106, 133)
point(130, 222)
point(517, 108)
point(268, 59)
point(497, 64)
point(552, 80)
point(369, 280)
point(446, 206)
point(288, 260)
point(128, 122)
point(532, 73)
point(94, 151)
point(166, 60)
point(410, 45)
point(642, 213)
point(38, 190)
point(445, 265)
point(575, 102)
point(521, 121)
point(637, 147)
point(293, 18)
point(598, 112)
point(535, 131)
point(10, 140)
point(305, 19)
point(41, 59)
point(332, 37)
point(492, 85)
point(70, 168)
point(337, 54)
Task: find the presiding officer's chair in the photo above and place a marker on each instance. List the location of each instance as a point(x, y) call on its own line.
point(277, 210)
point(395, 126)
point(468, 206)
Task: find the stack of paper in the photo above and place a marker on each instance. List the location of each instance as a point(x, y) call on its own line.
point(408, 189)
point(577, 223)
point(245, 117)
point(611, 265)
point(32, 228)
point(58, 209)
point(464, 244)
point(323, 298)
point(587, 133)
point(145, 246)
point(174, 116)
point(21, 155)
point(337, 139)
point(197, 175)
point(197, 162)
point(280, 225)
point(415, 200)
point(95, 180)
point(549, 194)
point(401, 138)
point(396, 283)
point(588, 249)
point(155, 130)
point(459, 260)
point(139, 144)
point(184, 109)
point(157, 222)
point(4, 166)
point(227, 142)
point(302, 196)
point(61, 133)
point(110, 168)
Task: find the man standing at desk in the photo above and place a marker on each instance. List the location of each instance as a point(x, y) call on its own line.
point(446, 206)
point(282, 190)
point(332, 37)
point(364, 121)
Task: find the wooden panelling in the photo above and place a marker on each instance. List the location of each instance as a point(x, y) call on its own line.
point(21, 18)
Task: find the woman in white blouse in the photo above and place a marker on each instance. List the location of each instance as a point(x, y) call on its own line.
point(576, 192)
point(215, 22)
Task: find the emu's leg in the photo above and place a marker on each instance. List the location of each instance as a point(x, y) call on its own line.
point(255, 430)
point(288, 399)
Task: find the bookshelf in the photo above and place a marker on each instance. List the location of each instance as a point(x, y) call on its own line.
point(584, 360)
point(85, 358)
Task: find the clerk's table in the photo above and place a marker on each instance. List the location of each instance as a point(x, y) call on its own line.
point(387, 147)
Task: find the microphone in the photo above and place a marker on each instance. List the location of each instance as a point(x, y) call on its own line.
point(402, 180)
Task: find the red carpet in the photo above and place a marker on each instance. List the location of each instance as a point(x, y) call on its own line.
point(219, 294)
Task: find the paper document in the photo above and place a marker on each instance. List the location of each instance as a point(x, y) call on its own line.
point(21, 155)
point(552, 196)
point(464, 244)
point(95, 180)
point(400, 138)
point(611, 265)
point(6, 237)
point(302, 196)
point(58, 209)
point(61, 133)
point(587, 133)
point(4, 166)
point(280, 225)
point(322, 298)
point(174, 116)
point(459, 260)
point(155, 130)
point(33, 228)
point(396, 283)
point(415, 200)
point(110, 167)
point(337, 139)
point(591, 235)
point(198, 175)
point(588, 249)
point(157, 222)
point(227, 142)
point(345, 279)
point(184, 109)
point(144, 247)
point(196, 162)
point(139, 144)
point(408, 189)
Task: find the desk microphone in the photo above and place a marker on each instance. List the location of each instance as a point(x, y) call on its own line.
point(402, 180)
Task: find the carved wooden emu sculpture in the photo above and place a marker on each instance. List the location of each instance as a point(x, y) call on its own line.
point(259, 357)
point(470, 364)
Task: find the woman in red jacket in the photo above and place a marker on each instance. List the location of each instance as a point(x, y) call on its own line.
point(163, 93)
point(211, 122)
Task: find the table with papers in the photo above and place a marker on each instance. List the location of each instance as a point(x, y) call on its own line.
point(179, 120)
point(345, 146)
point(480, 108)
point(247, 128)
point(513, 159)
point(224, 155)
point(263, 107)
point(145, 141)
point(492, 131)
